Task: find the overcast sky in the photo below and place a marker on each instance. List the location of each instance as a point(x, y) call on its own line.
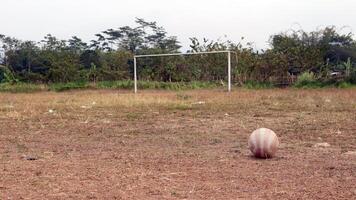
point(256, 20)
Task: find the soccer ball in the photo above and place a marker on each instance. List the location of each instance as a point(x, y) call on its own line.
point(263, 143)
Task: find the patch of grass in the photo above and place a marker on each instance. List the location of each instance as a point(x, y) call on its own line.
point(202, 85)
point(59, 87)
point(314, 84)
point(310, 85)
point(345, 85)
point(180, 106)
point(304, 82)
point(125, 84)
point(257, 85)
point(176, 85)
point(129, 84)
point(21, 87)
point(133, 116)
point(182, 96)
point(308, 80)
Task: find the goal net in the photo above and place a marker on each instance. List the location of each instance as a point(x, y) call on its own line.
point(185, 67)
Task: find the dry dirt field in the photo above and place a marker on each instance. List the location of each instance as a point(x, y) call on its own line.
point(176, 145)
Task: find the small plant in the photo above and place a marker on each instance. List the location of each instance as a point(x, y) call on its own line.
point(350, 72)
point(93, 73)
point(348, 68)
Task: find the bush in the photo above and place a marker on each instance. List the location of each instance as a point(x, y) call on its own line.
point(307, 80)
point(6, 75)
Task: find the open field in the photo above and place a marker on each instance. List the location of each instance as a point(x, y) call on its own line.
point(105, 144)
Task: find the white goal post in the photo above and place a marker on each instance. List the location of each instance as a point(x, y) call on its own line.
point(181, 54)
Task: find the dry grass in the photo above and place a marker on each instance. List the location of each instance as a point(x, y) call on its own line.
point(176, 145)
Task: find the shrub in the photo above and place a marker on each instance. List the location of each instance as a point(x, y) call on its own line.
point(307, 80)
point(7, 76)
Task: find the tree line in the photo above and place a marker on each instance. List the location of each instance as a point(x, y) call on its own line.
point(327, 54)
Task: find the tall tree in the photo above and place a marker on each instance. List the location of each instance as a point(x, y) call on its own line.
point(77, 45)
point(145, 35)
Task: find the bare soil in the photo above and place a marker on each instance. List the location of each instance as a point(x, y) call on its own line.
point(176, 145)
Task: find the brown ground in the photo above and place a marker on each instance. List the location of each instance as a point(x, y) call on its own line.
point(167, 145)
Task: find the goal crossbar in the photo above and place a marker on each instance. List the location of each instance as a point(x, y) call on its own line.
point(182, 54)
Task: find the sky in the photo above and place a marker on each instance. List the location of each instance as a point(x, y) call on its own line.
point(256, 20)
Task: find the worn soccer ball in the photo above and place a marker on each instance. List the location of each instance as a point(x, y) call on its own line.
point(263, 143)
